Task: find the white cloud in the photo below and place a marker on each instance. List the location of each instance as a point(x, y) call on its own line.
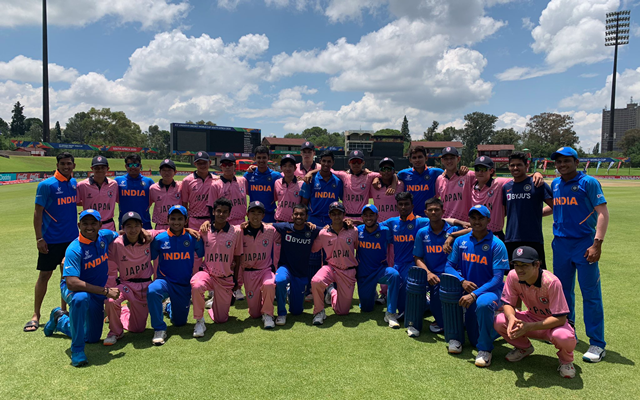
point(627, 85)
point(512, 120)
point(527, 24)
point(588, 126)
point(149, 13)
point(25, 69)
point(591, 75)
point(288, 103)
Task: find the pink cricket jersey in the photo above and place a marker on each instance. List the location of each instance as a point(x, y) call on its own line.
point(455, 193)
point(287, 196)
point(301, 172)
point(491, 196)
point(219, 249)
point(356, 191)
point(236, 191)
point(195, 194)
point(164, 197)
point(386, 205)
point(129, 260)
point(543, 299)
point(339, 248)
point(101, 198)
point(257, 253)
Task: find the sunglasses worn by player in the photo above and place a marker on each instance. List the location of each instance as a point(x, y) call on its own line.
point(481, 169)
point(386, 169)
point(228, 164)
point(356, 161)
point(134, 165)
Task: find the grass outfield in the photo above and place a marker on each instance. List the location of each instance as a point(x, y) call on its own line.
point(353, 356)
point(37, 164)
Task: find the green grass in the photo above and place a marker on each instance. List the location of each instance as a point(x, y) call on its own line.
point(353, 356)
point(37, 164)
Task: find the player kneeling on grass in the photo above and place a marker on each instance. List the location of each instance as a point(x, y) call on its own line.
point(478, 260)
point(546, 315)
point(339, 242)
point(83, 287)
point(177, 250)
point(222, 252)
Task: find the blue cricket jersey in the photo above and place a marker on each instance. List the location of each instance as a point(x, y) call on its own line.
point(422, 186)
point(295, 248)
point(372, 249)
point(134, 196)
point(524, 203)
point(321, 193)
point(428, 246)
point(177, 254)
point(403, 234)
point(574, 214)
point(262, 187)
point(58, 195)
point(88, 260)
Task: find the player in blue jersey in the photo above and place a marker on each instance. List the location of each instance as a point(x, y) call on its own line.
point(55, 224)
point(420, 180)
point(133, 191)
point(85, 275)
point(523, 203)
point(479, 260)
point(430, 254)
point(294, 269)
point(261, 183)
point(373, 241)
point(580, 220)
point(177, 250)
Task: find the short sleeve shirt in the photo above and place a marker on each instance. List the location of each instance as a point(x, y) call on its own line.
point(524, 202)
point(543, 299)
point(574, 202)
point(421, 185)
point(478, 260)
point(102, 198)
point(89, 260)
point(428, 246)
point(220, 248)
point(58, 196)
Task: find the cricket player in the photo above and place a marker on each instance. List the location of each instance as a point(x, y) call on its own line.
point(222, 258)
point(479, 260)
point(339, 243)
point(177, 250)
point(454, 186)
point(55, 225)
point(373, 241)
point(99, 193)
point(308, 153)
point(580, 220)
point(287, 189)
point(83, 287)
point(196, 190)
point(261, 182)
point(231, 187)
point(546, 315)
point(383, 199)
point(420, 180)
point(133, 191)
point(165, 193)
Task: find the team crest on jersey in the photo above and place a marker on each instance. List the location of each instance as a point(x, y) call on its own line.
point(307, 234)
point(410, 226)
point(461, 183)
point(363, 186)
point(87, 254)
point(186, 243)
point(527, 188)
point(166, 245)
point(333, 185)
point(146, 252)
point(490, 193)
point(102, 245)
point(177, 195)
point(296, 193)
point(574, 188)
point(250, 294)
point(110, 194)
point(126, 289)
point(228, 244)
point(269, 179)
point(265, 242)
point(543, 300)
point(378, 235)
point(485, 247)
point(349, 241)
point(143, 184)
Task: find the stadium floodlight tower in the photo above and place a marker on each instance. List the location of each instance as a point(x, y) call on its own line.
point(45, 76)
point(616, 34)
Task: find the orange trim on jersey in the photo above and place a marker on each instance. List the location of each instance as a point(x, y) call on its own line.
point(591, 213)
point(50, 216)
point(84, 240)
point(411, 217)
point(59, 176)
point(172, 235)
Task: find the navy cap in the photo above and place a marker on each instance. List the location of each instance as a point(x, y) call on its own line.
point(370, 207)
point(449, 150)
point(227, 157)
point(182, 210)
point(525, 254)
point(131, 215)
point(99, 160)
point(168, 163)
point(336, 205)
point(288, 158)
point(201, 155)
point(356, 155)
point(485, 161)
point(307, 145)
point(95, 214)
point(386, 160)
point(255, 204)
point(484, 211)
point(565, 151)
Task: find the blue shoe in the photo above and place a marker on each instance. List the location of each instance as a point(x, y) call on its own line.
point(50, 327)
point(79, 359)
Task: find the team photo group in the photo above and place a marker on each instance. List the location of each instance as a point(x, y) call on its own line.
point(460, 242)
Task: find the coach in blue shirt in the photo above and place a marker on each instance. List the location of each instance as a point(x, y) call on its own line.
point(133, 191)
point(261, 183)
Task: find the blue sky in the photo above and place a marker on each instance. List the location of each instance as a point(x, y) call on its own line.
point(286, 65)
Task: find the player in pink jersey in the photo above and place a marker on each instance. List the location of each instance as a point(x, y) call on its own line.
point(308, 153)
point(383, 199)
point(196, 189)
point(287, 189)
point(223, 249)
point(546, 315)
point(165, 193)
point(231, 187)
point(260, 249)
point(339, 243)
point(454, 186)
point(99, 193)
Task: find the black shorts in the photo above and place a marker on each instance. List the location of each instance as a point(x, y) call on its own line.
point(539, 247)
point(51, 260)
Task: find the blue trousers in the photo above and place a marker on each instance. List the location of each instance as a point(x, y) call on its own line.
point(367, 289)
point(180, 296)
point(297, 291)
point(85, 319)
point(316, 259)
point(568, 258)
point(403, 270)
point(478, 321)
point(435, 304)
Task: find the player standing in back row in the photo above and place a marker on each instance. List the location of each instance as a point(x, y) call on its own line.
point(420, 180)
point(99, 193)
point(133, 191)
point(165, 193)
point(261, 183)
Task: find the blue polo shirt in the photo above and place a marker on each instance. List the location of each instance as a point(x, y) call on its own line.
point(422, 186)
point(134, 196)
point(524, 203)
point(372, 249)
point(177, 254)
point(57, 195)
point(574, 202)
point(403, 234)
point(321, 193)
point(262, 187)
point(295, 248)
point(428, 246)
point(88, 260)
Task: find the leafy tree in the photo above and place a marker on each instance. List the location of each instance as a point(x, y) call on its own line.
point(547, 132)
point(104, 127)
point(630, 139)
point(596, 149)
point(387, 131)
point(319, 137)
point(78, 128)
point(35, 132)
point(478, 129)
point(448, 134)
point(5, 129)
point(506, 136)
point(158, 139)
point(18, 127)
point(431, 131)
point(405, 130)
point(56, 133)
point(315, 131)
point(29, 122)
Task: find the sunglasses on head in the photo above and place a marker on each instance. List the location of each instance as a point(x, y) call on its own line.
point(481, 169)
point(228, 164)
point(386, 169)
point(133, 165)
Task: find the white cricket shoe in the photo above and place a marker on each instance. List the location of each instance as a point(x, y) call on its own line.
point(567, 370)
point(483, 359)
point(435, 328)
point(111, 340)
point(455, 347)
point(319, 318)
point(413, 332)
point(159, 337)
point(209, 303)
point(200, 328)
point(281, 320)
point(382, 299)
point(516, 354)
point(268, 321)
point(594, 354)
point(239, 295)
point(327, 295)
point(392, 319)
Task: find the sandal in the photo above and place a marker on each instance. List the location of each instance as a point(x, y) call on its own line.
point(31, 326)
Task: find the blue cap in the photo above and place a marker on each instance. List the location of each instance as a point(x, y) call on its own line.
point(182, 210)
point(95, 214)
point(565, 151)
point(484, 211)
point(370, 207)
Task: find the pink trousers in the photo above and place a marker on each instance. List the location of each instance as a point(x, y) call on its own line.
point(132, 318)
point(260, 288)
point(341, 297)
point(222, 293)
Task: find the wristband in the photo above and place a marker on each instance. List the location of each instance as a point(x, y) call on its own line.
point(106, 290)
point(39, 240)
